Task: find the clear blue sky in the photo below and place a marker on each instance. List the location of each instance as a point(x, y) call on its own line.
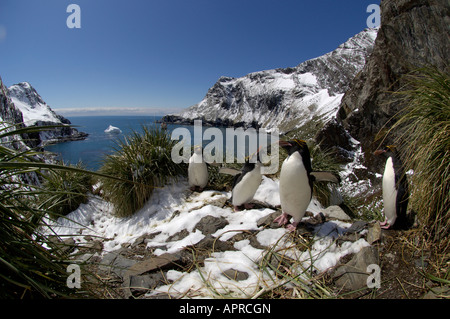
point(162, 53)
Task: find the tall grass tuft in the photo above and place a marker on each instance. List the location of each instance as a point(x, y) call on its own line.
point(66, 190)
point(27, 269)
point(144, 160)
point(423, 130)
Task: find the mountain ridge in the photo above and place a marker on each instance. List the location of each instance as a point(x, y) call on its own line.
point(283, 98)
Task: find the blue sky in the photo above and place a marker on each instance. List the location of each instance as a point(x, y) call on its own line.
point(162, 54)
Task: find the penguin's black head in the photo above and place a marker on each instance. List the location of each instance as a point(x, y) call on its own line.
point(301, 147)
point(295, 145)
point(390, 150)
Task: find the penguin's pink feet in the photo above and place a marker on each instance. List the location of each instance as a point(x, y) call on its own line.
point(236, 209)
point(385, 224)
point(249, 206)
point(283, 219)
point(292, 227)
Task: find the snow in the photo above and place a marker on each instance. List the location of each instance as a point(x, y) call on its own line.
point(30, 103)
point(273, 97)
point(174, 208)
point(34, 113)
point(113, 130)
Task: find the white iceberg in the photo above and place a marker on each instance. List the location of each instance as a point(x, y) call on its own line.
point(113, 129)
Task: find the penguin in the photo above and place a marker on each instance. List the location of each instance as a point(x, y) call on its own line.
point(245, 183)
point(197, 170)
point(296, 182)
point(395, 189)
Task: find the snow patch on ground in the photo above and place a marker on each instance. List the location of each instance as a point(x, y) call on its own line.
point(174, 208)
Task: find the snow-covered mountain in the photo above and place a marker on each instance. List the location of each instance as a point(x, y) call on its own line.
point(284, 98)
point(35, 112)
point(30, 103)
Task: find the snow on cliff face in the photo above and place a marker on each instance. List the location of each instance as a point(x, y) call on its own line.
point(35, 112)
point(30, 103)
point(287, 98)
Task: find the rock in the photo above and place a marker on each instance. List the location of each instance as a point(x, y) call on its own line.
point(335, 212)
point(213, 244)
point(267, 221)
point(235, 274)
point(335, 139)
point(353, 275)
point(315, 220)
point(84, 258)
point(115, 262)
point(413, 34)
point(219, 202)
point(179, 236)
point(95, 245)
point(152, 264)
point(356, 227)
point(210, 224)
point(144, 283)
point(140, 240)
point(374, 233)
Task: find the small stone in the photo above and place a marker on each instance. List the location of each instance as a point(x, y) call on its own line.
point(335, 212)
point(374, 233)
point(179, 236)
point(235, 274)
point(267, 221)
point(210, 224)
point(356, 227)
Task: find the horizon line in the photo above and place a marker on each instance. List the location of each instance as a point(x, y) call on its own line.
point(116, 111)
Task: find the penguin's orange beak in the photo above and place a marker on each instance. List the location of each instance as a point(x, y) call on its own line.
point(284, 144)
point(379, 152)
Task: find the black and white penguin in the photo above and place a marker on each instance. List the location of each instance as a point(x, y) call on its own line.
point(296, 182)
point(395, 190)
point(245, 184)
point(197, 170)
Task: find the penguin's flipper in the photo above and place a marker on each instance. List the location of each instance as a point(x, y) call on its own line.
point(214, 164)
point(326, 177)
point(229, 171)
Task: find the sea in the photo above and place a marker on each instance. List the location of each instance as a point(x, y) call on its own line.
point(98, 144)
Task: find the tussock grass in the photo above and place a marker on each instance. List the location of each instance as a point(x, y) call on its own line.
point(27, 269)
point(33, 265)
point(423, 137)
point(142, 162)
point(66, 190)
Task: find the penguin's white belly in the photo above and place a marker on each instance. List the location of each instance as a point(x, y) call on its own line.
point(197, 173)
point(295, 192)
point(389, 192)
point(244, 191)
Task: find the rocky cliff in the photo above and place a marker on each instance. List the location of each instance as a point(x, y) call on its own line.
point(284, 98)
point(22, 104)
point(413, 33)
point(10, 115)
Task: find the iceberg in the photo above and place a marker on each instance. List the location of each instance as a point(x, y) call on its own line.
point(113, 130)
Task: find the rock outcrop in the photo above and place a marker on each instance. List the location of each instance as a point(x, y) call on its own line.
point(413, 34)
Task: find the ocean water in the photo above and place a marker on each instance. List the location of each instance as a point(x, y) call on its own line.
point(92, 150)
